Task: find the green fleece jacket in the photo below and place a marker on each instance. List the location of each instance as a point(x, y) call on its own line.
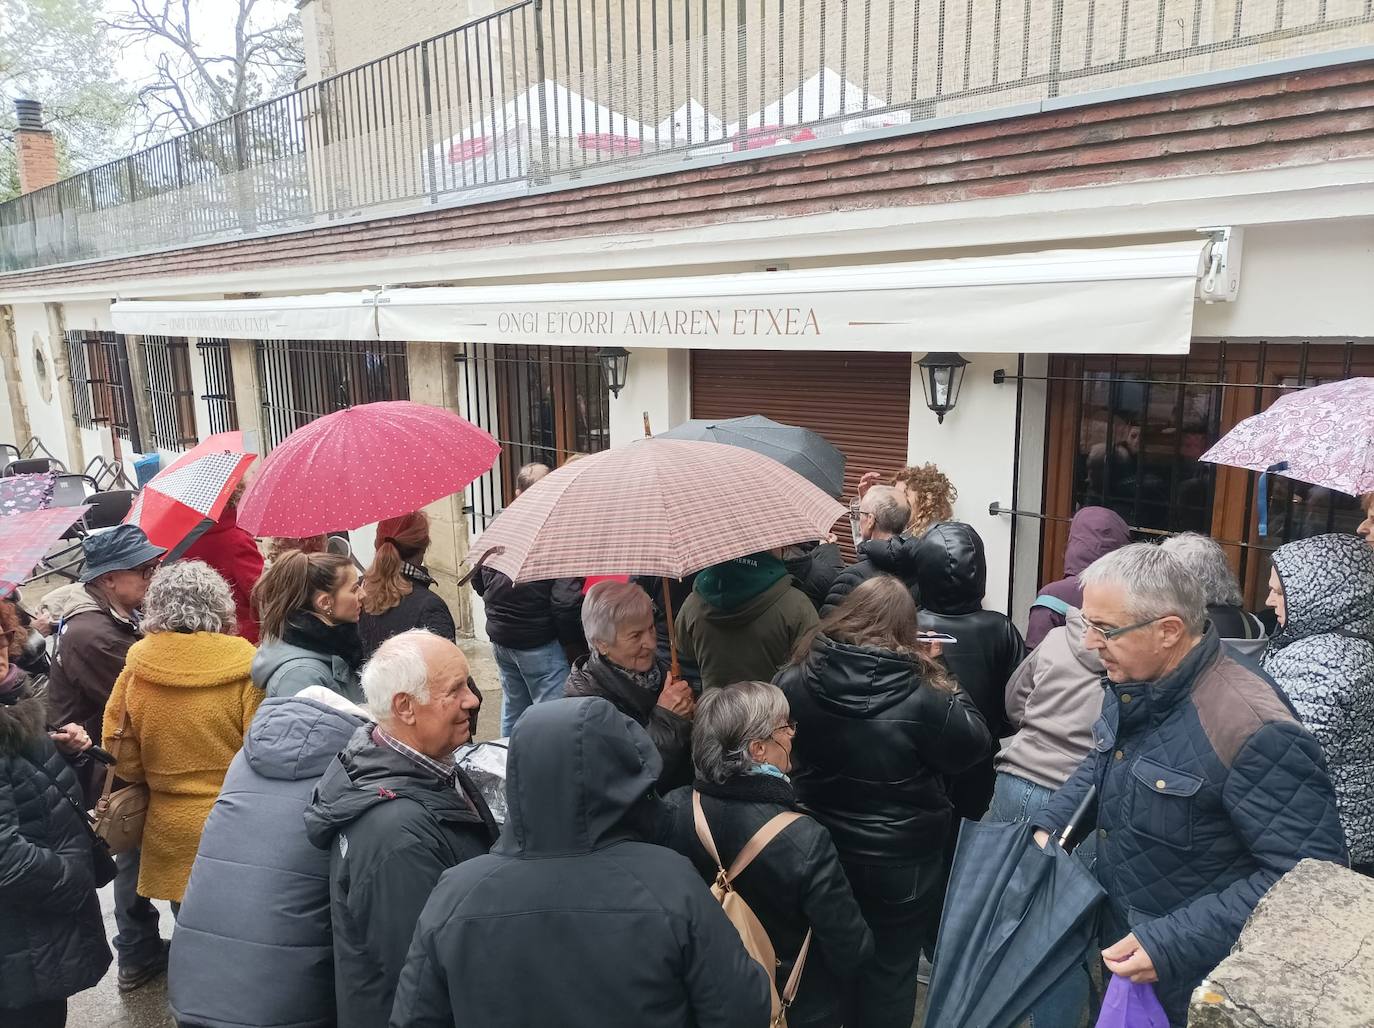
point(742, 623)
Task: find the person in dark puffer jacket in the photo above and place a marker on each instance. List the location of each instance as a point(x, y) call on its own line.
point(952, 575)
point(882, 516)
point(1323, 658)
point(270, 965)
point(52, 939)
point(879, 727)
point(742, 742)
point(814, 568)
point(1207, 787)
point(397, 595)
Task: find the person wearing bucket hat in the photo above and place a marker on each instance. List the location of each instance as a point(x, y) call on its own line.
point(93, 640)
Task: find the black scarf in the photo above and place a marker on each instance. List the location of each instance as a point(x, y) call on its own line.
point(310, 633)
point(634, 693)
point(749, 788)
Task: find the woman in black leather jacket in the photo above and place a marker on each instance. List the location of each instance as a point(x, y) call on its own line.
point(879, 724)
point(741, 746)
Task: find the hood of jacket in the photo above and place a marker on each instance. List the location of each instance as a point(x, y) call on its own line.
point(294, 738)
point(366, 774)
point(577, 771)
point(273, 653)
point(1328, 586)
point(22, 721)
point(895, 556)
point(750, 609)
point(1075, 630)
point(1094, 532)
point(739, 583)
point(191, 660)
point(87, 602)
point(858, 681)
point(951, 570)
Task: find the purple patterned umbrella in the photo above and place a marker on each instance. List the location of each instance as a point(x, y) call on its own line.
point(20, 494)
point(1323, 435)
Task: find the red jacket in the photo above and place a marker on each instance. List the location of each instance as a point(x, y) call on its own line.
point(234, 554)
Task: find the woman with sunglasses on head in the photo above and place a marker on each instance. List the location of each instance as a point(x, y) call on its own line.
point(308, 606)
point(880, 724)
point(742, 743)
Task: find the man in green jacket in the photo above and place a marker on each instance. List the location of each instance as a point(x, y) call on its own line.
point(743, 620)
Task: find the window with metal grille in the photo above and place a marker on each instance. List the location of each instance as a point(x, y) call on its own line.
point(543, 404)
point(220, 402)
point(302, 380)
point(1125, 432)
point(102, 391)
point(167, 363)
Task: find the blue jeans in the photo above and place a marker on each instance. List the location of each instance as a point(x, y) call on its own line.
point(137, 942)
point(1066, 1003)
point(529, 677)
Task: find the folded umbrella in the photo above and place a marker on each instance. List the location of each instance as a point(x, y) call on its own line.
point(1016, 918)
point(1323, 435)
point(183, 500)
point(661, 507)
point(362, 465)
point(807, 453)
point(26, 538)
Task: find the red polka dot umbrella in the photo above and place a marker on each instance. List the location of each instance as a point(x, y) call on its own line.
point(362, 465)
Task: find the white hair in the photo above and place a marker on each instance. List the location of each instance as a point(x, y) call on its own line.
point(1156, 584)
point(607, 604)
point(397, 667)
point(889, 508)
point(189, 596)
point(727, 720)
point(1205, 558)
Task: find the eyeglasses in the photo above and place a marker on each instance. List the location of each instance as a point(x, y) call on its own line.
point(145, 571)
point(790, 727)
point(855, 514)
point(1108, 634)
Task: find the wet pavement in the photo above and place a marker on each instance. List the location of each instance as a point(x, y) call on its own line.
point(104, 1006)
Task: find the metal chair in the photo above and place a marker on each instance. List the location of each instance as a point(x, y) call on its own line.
point(108, 474)
point(108, 509)
point(71, 490)
point(34, 466)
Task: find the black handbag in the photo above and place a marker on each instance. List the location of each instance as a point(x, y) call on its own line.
point(103, 867)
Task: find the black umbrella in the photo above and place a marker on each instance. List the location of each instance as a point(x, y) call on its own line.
point(807, 453)
point(1016, 918)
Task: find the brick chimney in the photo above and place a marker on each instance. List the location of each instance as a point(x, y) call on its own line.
point(35, 147)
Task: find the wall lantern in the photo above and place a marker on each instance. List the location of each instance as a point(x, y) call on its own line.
point(941, 376)
point(615, 364)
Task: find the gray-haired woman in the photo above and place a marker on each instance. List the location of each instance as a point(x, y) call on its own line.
point(188, 698)
point(618, 620)
point(742, 753)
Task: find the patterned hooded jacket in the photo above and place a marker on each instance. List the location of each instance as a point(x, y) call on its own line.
point(1323, 658)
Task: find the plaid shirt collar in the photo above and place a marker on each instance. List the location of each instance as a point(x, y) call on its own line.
point(416, 573)
point(444, 771)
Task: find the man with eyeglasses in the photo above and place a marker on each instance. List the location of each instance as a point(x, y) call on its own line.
point(1208, 789)
point(93, 639)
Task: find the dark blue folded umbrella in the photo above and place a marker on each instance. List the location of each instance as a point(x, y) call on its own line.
point(807, 453)
point(1016, 918)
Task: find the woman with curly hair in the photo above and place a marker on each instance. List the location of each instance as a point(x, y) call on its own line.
point(178, 714)
point(929, 494)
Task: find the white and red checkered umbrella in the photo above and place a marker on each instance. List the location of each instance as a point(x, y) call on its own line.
point(25, 539)
point(663, 507)
point(186, 498)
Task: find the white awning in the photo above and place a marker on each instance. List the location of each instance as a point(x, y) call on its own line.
point(1130, 299)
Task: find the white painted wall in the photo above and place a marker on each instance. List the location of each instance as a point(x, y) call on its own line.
point(33, 330)
point(657, 383)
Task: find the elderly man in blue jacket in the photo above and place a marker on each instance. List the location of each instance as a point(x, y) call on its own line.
point(1208, 787)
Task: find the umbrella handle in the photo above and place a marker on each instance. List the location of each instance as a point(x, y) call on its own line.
point(1079, 813)
point(673, 669)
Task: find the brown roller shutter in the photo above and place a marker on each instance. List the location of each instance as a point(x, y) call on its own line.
point(861, 402)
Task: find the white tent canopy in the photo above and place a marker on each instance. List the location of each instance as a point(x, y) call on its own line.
point(824, 95)
point(691, 122)
point(566, 115)
point(1128, 299)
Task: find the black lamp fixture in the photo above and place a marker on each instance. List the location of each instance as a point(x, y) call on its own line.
point(941, 376)
point(615, 364)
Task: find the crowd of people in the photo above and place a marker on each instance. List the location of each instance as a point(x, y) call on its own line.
point(805, 736)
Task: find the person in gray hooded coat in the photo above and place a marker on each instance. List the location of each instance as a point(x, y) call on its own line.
point(1322, 657)
point(253, 936)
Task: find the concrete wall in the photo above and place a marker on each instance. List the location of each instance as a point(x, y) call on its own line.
point(657, 384)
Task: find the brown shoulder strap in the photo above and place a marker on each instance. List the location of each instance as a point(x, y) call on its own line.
point(751, 849)
point(789, 991)
point(110, 768)
point(704, 833)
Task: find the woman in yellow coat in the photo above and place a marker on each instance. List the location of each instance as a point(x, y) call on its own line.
point(190, 699)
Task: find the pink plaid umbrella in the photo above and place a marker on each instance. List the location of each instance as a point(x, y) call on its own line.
point(1323, 435)
point(26, 538)
point(663, 507)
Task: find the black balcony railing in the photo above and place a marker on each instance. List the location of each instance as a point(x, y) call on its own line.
point(548, 91)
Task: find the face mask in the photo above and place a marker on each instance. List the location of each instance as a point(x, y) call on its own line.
point(768, 769)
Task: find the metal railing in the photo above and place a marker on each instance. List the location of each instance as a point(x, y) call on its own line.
point(548, 91)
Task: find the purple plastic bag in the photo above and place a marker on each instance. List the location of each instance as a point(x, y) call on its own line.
point(1128, 1005)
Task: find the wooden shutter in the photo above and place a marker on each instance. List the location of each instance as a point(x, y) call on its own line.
point(861, 402)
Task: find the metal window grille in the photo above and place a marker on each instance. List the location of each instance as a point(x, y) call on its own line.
point(103, 393)
point(1125, 432)
point(302, 380)
point(543, 404)
point(220, 402)
point(167, 363)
